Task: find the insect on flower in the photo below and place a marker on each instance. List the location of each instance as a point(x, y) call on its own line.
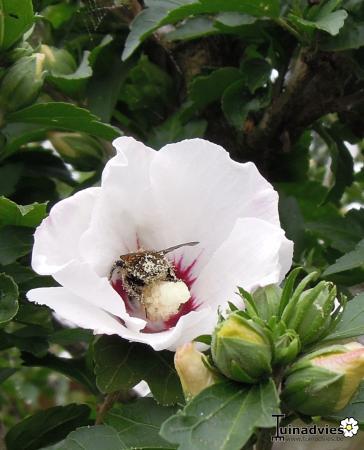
point(140, 272)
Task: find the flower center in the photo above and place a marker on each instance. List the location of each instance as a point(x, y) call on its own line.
point(153, 288)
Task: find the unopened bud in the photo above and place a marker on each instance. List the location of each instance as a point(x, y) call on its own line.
point(84, 152)
point(309, 312)
point(241, 349)
point(324, 381)
point(267, 300)
point(22, 82)
point(286, 347)
point(58, 60)
point(194, 374)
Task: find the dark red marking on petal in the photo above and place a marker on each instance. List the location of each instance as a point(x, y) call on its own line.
point(185, 273)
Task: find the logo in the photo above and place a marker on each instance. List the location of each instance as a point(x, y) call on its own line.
point(349, 426)
point(315, 432)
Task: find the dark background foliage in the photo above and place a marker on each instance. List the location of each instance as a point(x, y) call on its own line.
point(280, 83)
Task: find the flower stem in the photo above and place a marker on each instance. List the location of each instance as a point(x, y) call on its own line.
point(108, 403)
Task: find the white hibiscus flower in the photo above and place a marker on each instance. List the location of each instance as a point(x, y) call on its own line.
point(349, 426)
point(186, 192)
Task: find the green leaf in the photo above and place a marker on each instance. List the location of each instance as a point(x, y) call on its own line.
point(6, 372)
point(173, 130)
point(208, 89)
point(8, 298)
point(234, 20)
point(121, 365)
point(74, 368)
point(349, 261)
point(292, 222)
point(19, 273)
point(342, 164)
point(69, 336)
point(16, 17)
point(138, 423)
point(34, 344)
point(40, 160)
point(9, 177)
point(24, 216)
point(193, 28)
point(99, 437)
point(351, 323)
point(46, 427)
point(64, 116)
point(322, 18)
point(354, 409)
point(223, 417)
point(14, 243)
point(103, 88)
point(351, 36)
point(237, 103)
point(163, 12)
point(256, 73)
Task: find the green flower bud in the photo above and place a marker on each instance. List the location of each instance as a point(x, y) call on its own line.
point(22, 82)
point(286, 347)
point(309, 312)
point(241, 350)
point(57, 60)
point(84, 152)
point(324, 381)
point(267, 300)
point(194, 374)
point(23, 49)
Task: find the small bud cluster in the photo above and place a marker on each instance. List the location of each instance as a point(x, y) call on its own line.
point(276, 336)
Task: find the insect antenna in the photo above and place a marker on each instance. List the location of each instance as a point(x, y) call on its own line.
point(170, 249)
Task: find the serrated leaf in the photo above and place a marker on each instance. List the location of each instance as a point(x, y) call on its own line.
point(349, 261)
point(121, 365)
point(46, 427)
point(163, 12)
point(223, 417)
point(19, 215)
point(351, 323)
point(16, 17)
point(138, 423)
point(8, 298)
point(64, 116)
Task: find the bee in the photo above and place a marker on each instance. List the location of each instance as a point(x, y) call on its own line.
point(142, 268)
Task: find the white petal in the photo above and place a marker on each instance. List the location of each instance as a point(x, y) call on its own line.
point(76, 310)
point(83, 281)
point(250, 257)
point(188, 327)
point(57, 238)
point(125, 216)
point(202, 192)
point(85, 315)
